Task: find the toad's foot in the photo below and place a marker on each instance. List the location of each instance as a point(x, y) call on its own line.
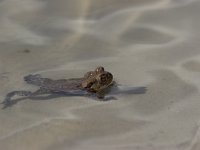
point(36, 80)
point(8, 101)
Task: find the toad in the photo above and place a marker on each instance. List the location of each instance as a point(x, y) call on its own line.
point(93, 82)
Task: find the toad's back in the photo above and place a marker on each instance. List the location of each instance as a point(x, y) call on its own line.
point(54, 85)
point(64, 85)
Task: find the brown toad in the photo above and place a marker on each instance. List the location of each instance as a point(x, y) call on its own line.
point(93, 82)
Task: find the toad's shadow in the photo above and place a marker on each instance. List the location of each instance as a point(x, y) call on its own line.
point(110, 95)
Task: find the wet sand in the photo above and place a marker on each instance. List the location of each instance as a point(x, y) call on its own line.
point(144, 43)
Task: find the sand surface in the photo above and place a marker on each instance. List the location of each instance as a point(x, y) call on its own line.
point(144, 43)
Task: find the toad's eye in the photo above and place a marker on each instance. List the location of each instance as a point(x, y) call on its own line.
point(99, 70)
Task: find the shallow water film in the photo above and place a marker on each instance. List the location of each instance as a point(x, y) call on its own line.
point(152, 49)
